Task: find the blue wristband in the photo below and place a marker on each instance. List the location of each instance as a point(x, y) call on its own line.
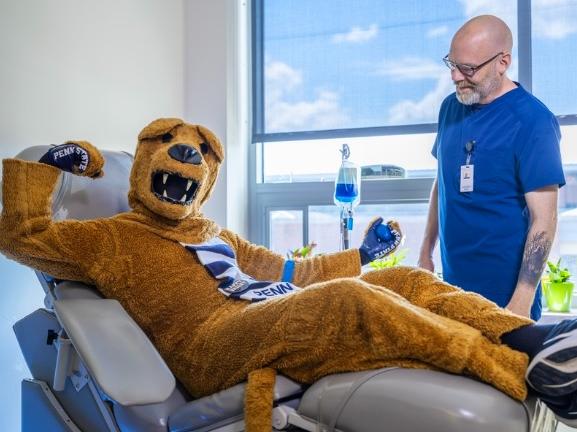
point(287, 273)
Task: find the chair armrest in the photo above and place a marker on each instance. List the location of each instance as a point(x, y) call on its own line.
point(115, 351)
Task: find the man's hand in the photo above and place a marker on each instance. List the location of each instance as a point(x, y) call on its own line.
point(522, 300)
point(519, 307)
point(426, 262)
point(78, 157)
point(380, 240)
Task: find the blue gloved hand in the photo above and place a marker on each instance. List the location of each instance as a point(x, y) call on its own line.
point(380, 240)
point(74, 157)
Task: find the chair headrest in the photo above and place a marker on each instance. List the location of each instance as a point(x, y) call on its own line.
point(81, 198)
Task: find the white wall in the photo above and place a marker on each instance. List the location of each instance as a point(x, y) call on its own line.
point(93, 70)
point(216, 82)
point(73, 69)
point(205, 83)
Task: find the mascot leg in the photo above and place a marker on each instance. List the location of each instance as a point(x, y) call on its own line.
point(423, 289)
point(348, 324)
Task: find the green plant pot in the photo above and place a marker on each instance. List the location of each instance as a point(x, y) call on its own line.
point(558, 295)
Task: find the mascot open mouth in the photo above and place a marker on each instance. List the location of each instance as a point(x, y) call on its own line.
point(174, 188)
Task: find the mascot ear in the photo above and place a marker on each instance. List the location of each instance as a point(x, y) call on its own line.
point(212, 142)
point(159, 127)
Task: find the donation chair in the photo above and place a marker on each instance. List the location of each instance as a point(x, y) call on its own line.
point(93, 369)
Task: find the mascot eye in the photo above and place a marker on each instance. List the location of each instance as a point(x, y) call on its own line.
point(204, 148)
point(166, 137)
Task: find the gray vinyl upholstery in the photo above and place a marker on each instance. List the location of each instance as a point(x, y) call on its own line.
point(115, 351)
point(407, 400)
point(70, 290)
point(81, 198)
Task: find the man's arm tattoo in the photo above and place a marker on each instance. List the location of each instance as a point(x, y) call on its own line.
point(534, 258)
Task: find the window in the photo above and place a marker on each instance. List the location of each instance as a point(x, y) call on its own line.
point(566, 241)
point(369, 74)
point(318, 160)
point(553, 35)
point(323, 227)
point(554, 42)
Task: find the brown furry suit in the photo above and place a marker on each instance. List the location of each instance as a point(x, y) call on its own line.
point(340, 322)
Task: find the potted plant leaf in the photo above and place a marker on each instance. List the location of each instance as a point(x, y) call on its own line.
point(392, 260)
point(302, 253)
point(557, 287)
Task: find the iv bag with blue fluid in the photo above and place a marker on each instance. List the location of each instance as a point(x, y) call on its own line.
point(348, 182)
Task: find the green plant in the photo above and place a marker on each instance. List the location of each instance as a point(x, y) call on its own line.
point(391, 260)
point(556, 273)
point(301, 253)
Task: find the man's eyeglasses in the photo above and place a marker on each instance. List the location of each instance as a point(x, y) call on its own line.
point(465, 69)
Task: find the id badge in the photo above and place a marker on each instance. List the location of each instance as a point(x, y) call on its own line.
point(467, 178)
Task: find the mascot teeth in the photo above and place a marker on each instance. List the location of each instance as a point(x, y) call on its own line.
point(174, 188)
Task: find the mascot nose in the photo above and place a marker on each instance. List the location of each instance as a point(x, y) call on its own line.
point(185, 154)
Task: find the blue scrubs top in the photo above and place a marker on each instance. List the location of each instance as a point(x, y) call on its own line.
point(516, 150)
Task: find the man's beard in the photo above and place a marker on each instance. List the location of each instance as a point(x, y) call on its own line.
point(477, 91)
point(470, 98)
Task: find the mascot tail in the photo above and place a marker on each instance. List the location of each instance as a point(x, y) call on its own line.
point(258, 400)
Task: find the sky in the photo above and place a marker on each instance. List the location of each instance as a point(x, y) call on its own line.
point(340, 64)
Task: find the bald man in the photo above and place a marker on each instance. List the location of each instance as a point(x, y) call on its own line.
point(494, 202)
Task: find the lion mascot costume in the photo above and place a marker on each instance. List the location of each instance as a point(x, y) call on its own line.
point(221, 310)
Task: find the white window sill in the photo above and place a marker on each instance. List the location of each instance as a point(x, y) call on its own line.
point(552, 317)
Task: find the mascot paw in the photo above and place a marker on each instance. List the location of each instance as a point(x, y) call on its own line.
point(380, 240)
point(78, 157)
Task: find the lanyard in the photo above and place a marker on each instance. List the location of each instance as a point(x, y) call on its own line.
point(469, 146)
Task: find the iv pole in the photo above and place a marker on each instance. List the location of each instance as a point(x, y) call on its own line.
point(347, 194)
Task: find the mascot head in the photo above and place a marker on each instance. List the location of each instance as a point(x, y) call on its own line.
point(175, 167)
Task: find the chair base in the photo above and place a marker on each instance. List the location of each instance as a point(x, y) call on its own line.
point(41, 411)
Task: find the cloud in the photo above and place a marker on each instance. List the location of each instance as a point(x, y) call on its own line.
point(437, 31)
point(554, 19)
point(280, 79)
point(357, 35)
point(411, 68)
point(322, 112)
point(424, 110)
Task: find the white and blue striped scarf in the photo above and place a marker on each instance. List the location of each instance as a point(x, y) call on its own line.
point(219, 259)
